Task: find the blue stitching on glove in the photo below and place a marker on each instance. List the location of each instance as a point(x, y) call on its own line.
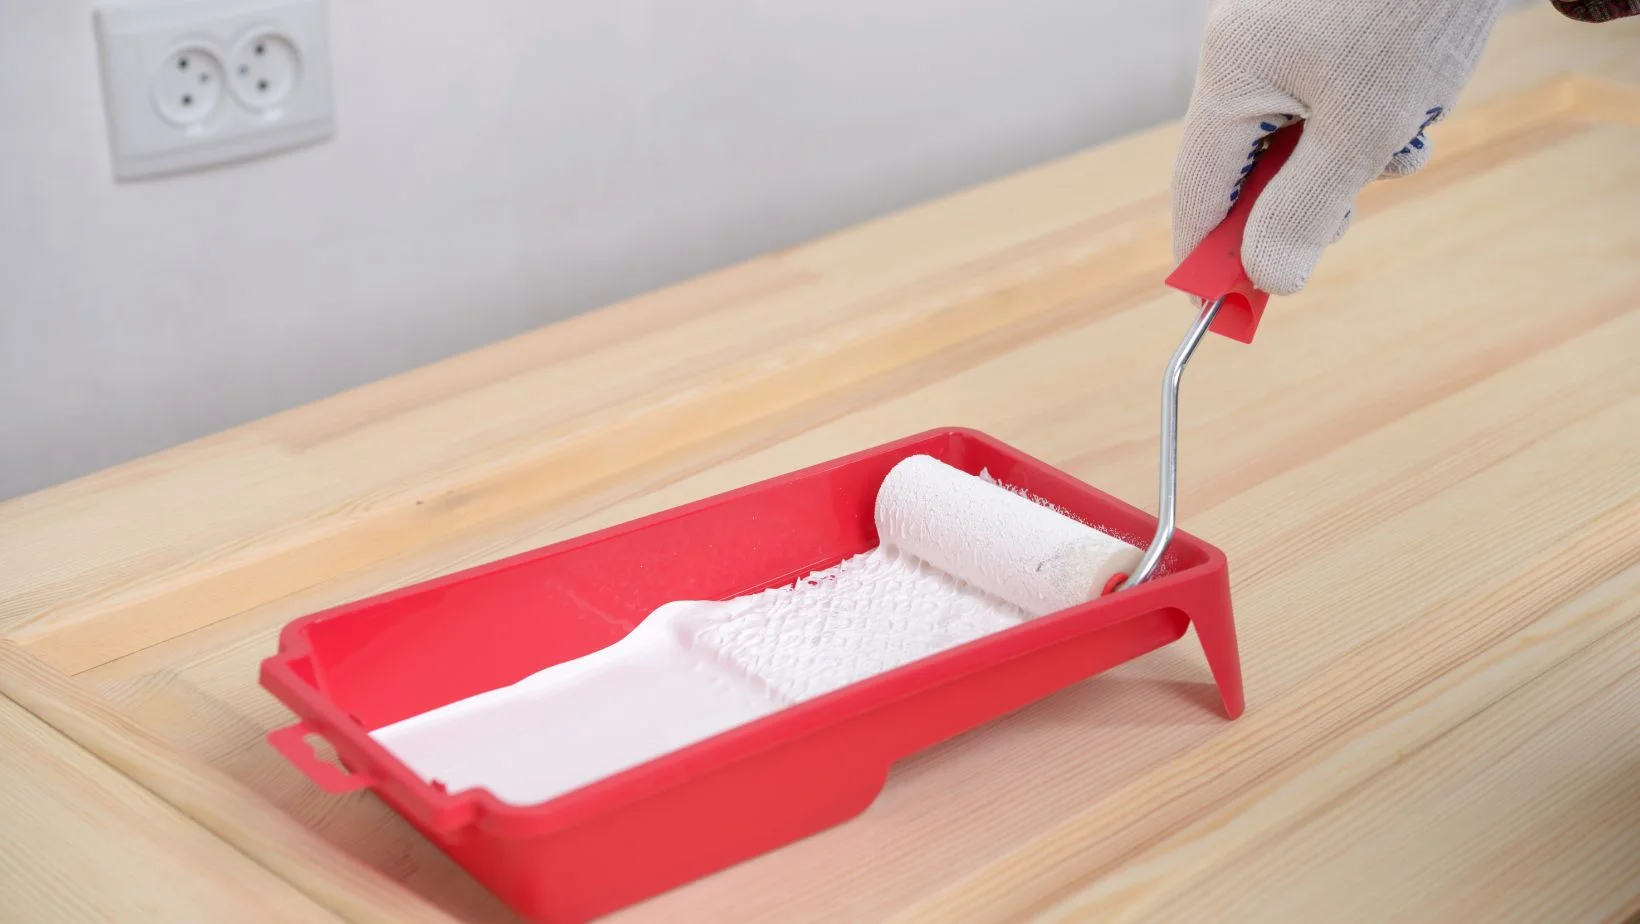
point(1431, 116)
point(1259, 145)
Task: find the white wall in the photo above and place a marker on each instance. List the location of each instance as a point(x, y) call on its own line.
point(500, 164)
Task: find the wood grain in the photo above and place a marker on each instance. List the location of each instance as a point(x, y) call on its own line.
point(1424, 476)
point(1547, 751)
point(334, 878)
point(80, 842)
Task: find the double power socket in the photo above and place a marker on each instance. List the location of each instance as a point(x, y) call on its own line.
point(189, 83)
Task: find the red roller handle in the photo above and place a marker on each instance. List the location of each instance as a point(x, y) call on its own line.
point(1214, 269)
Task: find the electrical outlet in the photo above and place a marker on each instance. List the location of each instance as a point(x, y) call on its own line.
point(201, 82)
point(266, 68)
point(188, 86)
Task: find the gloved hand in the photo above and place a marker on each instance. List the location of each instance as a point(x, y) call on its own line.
point(1368, 76)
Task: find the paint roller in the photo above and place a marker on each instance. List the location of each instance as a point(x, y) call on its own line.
point(1032, 556)
point(1000, 542)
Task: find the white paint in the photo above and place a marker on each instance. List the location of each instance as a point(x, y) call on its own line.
point(691, 670)
point(694, 669)
point(580, 721)
point(497, 166)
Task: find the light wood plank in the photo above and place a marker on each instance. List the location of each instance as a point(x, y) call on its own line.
point(1529, 812)
point(236, 814)
point(79, 842)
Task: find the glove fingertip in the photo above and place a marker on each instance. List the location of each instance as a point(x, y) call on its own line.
point(1406, 162)
point(1277, 268)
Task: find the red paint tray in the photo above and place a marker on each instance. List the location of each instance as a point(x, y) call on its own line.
point(642, 831)
point(361, 666)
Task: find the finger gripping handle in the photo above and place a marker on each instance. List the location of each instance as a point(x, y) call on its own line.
point(1214, 269)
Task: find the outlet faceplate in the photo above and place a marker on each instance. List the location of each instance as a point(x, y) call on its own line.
point(199, 82)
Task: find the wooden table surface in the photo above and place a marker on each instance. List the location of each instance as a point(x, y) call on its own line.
point(1426, 475)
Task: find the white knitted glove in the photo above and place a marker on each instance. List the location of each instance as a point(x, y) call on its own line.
point(1368, 76)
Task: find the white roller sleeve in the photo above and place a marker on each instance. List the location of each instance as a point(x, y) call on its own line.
point(1006, 545)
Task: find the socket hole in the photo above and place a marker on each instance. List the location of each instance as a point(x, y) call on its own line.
point(262, 86)
point(261, 48)
point(187, 99)
point(182, 64)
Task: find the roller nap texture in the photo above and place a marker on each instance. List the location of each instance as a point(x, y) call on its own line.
point(1006, 545)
